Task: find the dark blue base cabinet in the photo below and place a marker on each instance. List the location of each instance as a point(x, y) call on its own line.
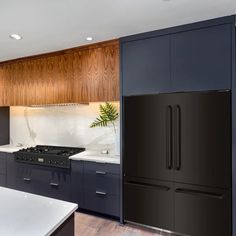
point(96, 187)
point(46, 181)
point(93, 186)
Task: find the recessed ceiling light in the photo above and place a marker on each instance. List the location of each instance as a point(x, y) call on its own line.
point(89, 38)
point(15, 36)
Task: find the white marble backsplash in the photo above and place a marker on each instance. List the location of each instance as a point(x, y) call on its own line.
point(61, 125)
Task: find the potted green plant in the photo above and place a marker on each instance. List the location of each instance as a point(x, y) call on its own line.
point(108, 115)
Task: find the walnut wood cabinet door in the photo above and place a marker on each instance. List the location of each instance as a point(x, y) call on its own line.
point(96, 74)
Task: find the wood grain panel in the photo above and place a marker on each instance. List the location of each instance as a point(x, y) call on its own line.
point(87, 75)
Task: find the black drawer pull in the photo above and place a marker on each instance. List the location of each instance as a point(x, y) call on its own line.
point(27, 179)
point(199, 193)
point(54, 184)
point(101, 173)
point(101, 193)
point(155, 186)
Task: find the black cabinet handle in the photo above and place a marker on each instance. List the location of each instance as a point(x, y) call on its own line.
point(199, 193)
point(155, 186)
point(169, 138)
point(101, 193)
point(100, 173)
point(177, 139)
point(27, 179)
point(54, 184)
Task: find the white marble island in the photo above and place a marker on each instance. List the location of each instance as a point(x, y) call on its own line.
point(25, 214)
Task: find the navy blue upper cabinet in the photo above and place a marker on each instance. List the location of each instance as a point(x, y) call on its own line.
point(201, 59)
point(146, 65)
point(193, 57)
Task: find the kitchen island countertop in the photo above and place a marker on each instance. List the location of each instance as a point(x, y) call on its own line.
point(25, 214)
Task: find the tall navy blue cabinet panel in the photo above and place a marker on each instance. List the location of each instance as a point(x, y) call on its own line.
point(199, 194)
point(146, 65)
point(201, 59)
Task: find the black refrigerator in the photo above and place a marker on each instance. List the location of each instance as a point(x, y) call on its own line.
point(177, 162)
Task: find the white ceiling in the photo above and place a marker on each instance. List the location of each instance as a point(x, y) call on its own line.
point(51, 25)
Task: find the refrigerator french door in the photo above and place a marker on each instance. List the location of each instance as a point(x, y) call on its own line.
point(182, 138)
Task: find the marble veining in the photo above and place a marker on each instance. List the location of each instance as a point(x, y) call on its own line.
point(62, 125)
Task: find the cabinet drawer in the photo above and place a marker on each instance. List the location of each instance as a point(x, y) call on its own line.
point(101, 181)
point(25, 184)
point(102, 202)
point(202, 211)
point(102, 168)
point(150, 205)
point(53, 184)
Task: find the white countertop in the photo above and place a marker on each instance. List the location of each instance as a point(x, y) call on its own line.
point(96, 157)
point(87, 155)
point(25, 214)
point(10, 148)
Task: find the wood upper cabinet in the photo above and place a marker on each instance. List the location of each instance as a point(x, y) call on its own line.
point(86, 74)
point(96, 74)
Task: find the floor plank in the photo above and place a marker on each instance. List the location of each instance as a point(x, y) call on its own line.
point(88, 225)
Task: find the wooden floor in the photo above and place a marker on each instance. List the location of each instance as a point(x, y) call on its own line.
point(88, 225)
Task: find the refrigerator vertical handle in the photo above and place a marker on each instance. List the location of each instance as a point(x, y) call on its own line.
point(169, 138)
point(178, 138)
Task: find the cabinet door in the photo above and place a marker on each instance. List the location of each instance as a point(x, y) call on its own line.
point(23, 178)
point(77, 193)
point(202, 211)
point(203, 156)
point(147, 129)
point(201, 59)
point(3, 163)
point(149, 204)
point(52, 182)
point(102, 188)
point(146, 66)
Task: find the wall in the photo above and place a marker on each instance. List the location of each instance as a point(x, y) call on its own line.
point(61, 125)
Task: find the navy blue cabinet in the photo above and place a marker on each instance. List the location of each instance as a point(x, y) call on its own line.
point(93, 186)
point(98, 189)
point(201, 59)
point(184, 58)
point(77, 195)
point(146, 65)
point(46, 181)
point(3, 169)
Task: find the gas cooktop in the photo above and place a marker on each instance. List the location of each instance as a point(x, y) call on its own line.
point(55, 156)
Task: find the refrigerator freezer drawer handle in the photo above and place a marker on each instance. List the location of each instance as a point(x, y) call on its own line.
point(162, 187)
point(199, 193)
point(169, 138)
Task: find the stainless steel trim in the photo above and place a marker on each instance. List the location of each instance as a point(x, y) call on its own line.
point(27, 179)
point(101, 172)
point(101, 193)
point(54, 184)
point(158, 230)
